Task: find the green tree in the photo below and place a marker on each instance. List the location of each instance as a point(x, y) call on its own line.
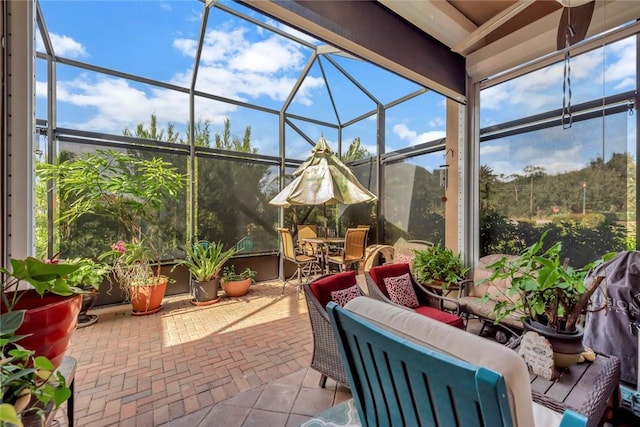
point(355, 152)
point(153, 132)
point(232, 197)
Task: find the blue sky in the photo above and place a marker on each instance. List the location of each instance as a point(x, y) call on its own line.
point(157, 39)
point(241, 61)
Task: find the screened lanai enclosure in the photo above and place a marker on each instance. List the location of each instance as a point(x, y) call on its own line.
point(479, 148)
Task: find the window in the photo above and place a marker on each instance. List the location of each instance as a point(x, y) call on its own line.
point(577, 183)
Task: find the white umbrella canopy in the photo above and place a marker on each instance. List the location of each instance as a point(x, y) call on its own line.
point(323, 179)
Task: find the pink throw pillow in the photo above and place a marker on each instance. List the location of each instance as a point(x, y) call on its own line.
point(401, 290)
point(343, 296)
point(404, 259)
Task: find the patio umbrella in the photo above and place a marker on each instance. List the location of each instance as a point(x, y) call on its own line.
point(323, 180)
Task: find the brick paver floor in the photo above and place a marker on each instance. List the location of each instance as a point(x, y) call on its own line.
point(243, 362)
point(150, 370)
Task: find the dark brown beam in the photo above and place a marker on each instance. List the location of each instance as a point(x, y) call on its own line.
point(369, 25)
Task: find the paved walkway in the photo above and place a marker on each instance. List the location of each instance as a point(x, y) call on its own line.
point(174, 367)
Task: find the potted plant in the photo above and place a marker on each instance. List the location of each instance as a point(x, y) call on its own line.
point(550, 295)
point(236, 284)
point(132, 271)
point(88, 277)
point(438, 267)
point(131, 191)
point(49, 297)
point(30, 385)
point(205, 261)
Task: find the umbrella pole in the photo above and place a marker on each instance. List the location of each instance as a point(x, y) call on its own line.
point(326, 220)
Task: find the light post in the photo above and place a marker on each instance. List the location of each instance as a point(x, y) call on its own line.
point(584, 198)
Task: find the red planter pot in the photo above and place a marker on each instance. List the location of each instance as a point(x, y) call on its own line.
point(49, 321)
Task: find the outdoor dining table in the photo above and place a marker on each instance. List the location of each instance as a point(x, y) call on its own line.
point(323, 244)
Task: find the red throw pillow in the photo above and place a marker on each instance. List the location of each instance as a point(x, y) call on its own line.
point(323, 287)
point(401, 290)
point(379, 272)
point(343, 296)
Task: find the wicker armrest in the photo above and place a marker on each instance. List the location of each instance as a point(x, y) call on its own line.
point(595, 405)
point(439, 300)
point(464, 286)
point(326, 355)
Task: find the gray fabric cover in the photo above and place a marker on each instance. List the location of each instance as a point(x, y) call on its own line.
point(609, 331)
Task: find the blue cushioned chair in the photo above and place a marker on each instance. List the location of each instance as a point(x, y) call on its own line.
point(397, 382)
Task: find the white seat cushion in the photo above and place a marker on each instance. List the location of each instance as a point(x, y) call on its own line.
point(545, 417)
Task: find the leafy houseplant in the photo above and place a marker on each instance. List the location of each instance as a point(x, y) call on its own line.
point(550, 295)
point(88, 277)
point(27, 362)
point(205, 261)
point(42, 276)
point(237, 284)
point(229, 274)
point(438, 265)
point(131, 270)
point(544, 288)
point(129, 190)
point(29, 383)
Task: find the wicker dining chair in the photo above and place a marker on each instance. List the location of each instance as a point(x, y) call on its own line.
point(305, 264)
point(353, 250)
point(326, 356)
point(306, 231)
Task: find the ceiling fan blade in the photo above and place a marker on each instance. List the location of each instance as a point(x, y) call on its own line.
point(580, 20)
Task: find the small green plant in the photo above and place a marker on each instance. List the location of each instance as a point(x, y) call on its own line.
point(438, 265)
point(29, 384)
point(205, 260)
point(229, 274)
point(545, 288)
point(89, 275)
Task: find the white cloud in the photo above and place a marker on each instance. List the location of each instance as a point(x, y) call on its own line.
point(268, 56)
point(63, 46)
point(233, 65)
point(511, 159)
point(487, 149)
point(414, 137)
point(116, 105)
point(542, 89)
point(624, 69)
point(437, 122)
point(41, 89)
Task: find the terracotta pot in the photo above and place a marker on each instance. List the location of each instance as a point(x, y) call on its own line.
point(49, 321)
point(567, 346)
point(206, 292)
point(147, 299)
point(236, 288)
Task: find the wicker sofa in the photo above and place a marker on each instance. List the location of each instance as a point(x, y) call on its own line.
point(472, 292)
